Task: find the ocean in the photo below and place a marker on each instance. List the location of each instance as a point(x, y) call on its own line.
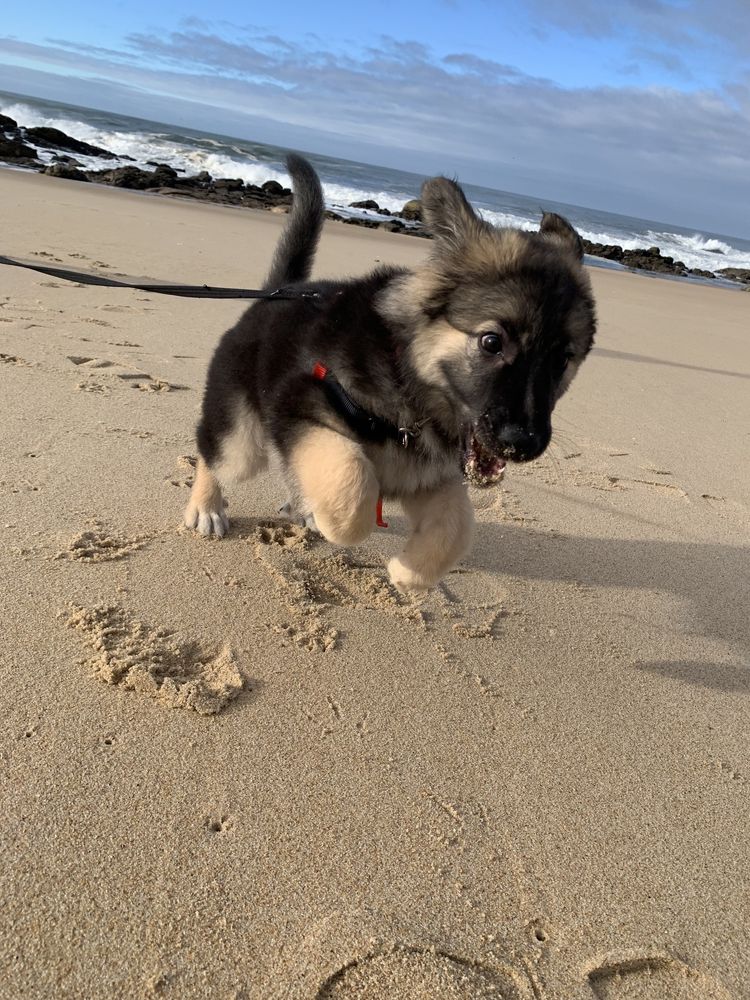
point(344, 181)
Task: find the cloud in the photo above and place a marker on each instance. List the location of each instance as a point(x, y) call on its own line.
point(703, 29)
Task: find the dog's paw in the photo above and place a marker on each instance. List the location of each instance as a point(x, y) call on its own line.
point(291, 511)
point(205, 521)
point(407, 580)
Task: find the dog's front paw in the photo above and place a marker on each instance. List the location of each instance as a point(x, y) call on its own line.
point(407, 580)
point(207, 521)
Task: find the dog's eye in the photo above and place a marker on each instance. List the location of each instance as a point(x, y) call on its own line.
point(491, 343)
point(563, 360)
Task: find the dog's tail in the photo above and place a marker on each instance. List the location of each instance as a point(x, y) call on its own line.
point(293, 258)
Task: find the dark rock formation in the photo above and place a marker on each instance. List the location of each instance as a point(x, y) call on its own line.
point(647, 259)
point(272, 187)
point(55, 139)
point(412, 211)
point(16, 151)
point(229, 184)
point(66, 170)
point(741, 274)
point(7, 123)
point(127, 177)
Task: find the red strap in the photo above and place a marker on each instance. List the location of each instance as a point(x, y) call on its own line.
point(319, 371)
point(379, 514)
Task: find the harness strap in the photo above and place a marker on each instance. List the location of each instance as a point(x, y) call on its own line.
point(364, 423)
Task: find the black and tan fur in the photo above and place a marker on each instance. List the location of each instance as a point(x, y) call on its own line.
point(480, 341)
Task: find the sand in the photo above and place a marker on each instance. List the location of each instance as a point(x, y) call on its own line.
point(250, 769)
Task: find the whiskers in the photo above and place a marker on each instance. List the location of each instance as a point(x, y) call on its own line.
point(561, 448)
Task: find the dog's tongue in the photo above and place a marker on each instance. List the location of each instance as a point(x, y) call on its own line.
point(481, 468)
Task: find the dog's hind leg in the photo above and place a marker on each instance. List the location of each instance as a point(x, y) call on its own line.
point(339, 485)
point(240, 455)
point(442, 523)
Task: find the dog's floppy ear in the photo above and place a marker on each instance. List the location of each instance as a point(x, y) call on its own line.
point(561, 231)
point(448, 215)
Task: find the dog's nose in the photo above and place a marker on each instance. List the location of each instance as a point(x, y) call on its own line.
point(521, 444)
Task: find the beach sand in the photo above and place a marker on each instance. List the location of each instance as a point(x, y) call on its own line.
point(250, 769)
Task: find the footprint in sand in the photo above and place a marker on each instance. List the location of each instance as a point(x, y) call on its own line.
point(154, 661)
point(135, 379)
point(98, 543)
point(656, 977)
point(184, 473)
point(417, 974)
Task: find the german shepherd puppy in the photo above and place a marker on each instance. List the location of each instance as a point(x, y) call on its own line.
point(399, 384)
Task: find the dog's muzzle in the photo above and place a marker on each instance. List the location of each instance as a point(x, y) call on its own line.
point(521, 444)
point(481, 466)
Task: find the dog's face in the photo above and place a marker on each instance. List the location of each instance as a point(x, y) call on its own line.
point(502, 320)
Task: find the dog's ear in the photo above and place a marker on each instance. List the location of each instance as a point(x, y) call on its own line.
point(561, 231)
point(448, 215)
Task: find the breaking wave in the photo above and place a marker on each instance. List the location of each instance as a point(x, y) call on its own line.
point(144, 143)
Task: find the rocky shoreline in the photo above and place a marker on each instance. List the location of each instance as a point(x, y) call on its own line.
point(19, 147)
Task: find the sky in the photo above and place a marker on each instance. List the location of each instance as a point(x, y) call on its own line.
point(637, 106)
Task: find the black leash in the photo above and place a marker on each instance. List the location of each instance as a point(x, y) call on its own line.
point(188, 291)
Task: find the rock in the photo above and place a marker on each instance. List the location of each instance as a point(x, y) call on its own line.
point(230, 184)
point(643, 259)
point(65, 170)
point(608, 251)
point(736, 274)
point(126, 177)
point(17, 151)
point(700, 273)
point(164, 175)
point(272, 187)
point(647, 260)
point(70, 160)
point(393, 226)
point(7, 123)
point(53, 137)
point(366, 223)
point(368, 203)
point(412, 211)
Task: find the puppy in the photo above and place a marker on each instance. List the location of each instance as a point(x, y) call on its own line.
point(399, 384)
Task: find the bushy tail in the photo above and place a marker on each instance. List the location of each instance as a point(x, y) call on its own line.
point(293, 258)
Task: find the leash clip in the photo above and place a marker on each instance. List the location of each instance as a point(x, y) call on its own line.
point(407, 435)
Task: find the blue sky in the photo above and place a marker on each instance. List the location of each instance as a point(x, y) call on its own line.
point(640, 106)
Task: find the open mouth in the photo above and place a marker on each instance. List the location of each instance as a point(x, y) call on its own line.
point(481, 466)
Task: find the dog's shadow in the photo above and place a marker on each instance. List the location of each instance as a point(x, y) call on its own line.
point(712, 581)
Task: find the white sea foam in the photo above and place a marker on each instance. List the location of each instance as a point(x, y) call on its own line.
point(230, 160)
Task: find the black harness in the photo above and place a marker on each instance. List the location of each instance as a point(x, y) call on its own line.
point(363, 423)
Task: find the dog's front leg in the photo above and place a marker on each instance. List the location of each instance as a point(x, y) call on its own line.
point(442, 522)
point(339, 484)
